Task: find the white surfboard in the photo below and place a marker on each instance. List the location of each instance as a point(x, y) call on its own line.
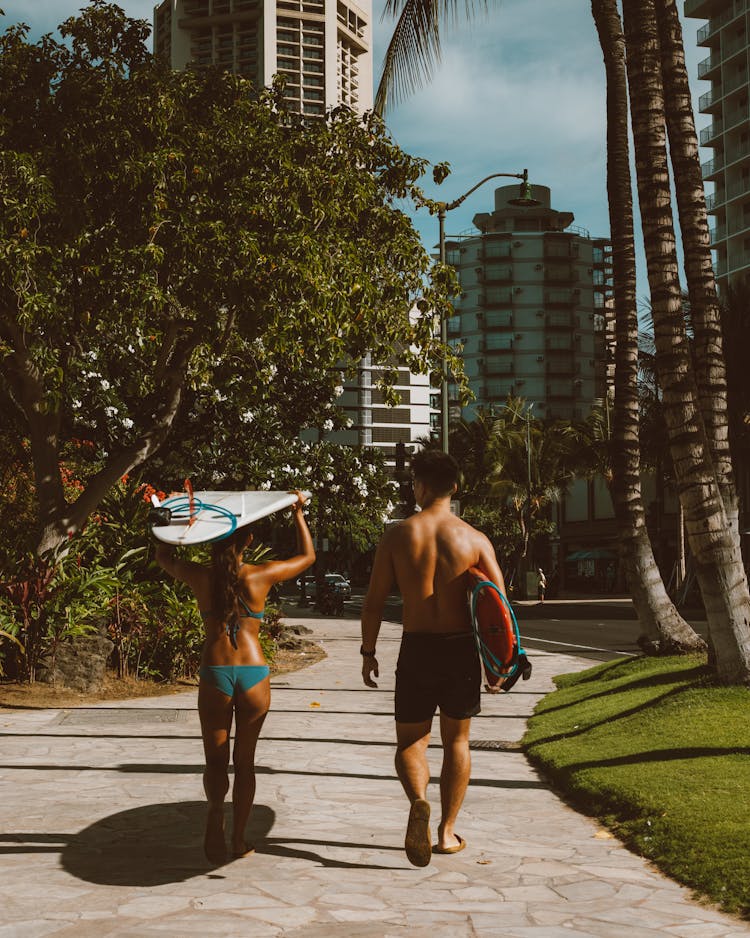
point(216, 514)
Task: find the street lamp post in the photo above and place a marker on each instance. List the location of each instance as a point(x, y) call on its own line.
point(526, 199)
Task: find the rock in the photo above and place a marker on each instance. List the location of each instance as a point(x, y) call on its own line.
point(79, 664)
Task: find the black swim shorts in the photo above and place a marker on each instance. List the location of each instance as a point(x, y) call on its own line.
point(437, 670)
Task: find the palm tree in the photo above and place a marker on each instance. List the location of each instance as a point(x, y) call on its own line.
point(708, 359)
point(661, 625)
point(714, 546)
point(517, 462)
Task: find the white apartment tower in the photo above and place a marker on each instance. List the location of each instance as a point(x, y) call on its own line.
point(725, 36)
point(322, 47)
point(533, 311)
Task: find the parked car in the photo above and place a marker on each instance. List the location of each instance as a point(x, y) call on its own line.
point(336, 581)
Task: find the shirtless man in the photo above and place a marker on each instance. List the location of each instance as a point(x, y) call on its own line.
point(427, 556)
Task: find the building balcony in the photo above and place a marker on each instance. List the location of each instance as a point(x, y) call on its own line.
point(553, 274)
point(489, 298)
point(731, 46)
point(714, 130)
point(703, 9)
point(561, 368)
point(711, 63)
point(710, 100)
point(719, 233)
point(712, 168)
point(454, 327)
point(494, 273)
point(561, 393)
point(737, 190)
point(733, 82)
point(724, 13)
point(736, 154)
point(735, 116)
point(559, 320)
point(497, 319)
point(496, 366)
point(561, 297)
point(493, 250)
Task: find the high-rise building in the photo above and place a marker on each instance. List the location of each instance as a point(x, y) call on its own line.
point(322, 47)
point(726, 36)
point(532, 315)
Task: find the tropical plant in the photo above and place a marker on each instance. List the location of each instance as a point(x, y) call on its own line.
point(186, 260)
point(516, 463)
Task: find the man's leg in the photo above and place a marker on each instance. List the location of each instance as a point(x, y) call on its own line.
point(412, 740)
point(454, 776)
point(414, 772)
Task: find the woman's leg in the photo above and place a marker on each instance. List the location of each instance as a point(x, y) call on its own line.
point(215, 710)
point(251, 708)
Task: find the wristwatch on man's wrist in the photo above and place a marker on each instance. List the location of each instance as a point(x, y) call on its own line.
point(366, 654)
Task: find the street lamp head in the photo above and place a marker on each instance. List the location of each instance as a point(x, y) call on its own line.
point(525, 198)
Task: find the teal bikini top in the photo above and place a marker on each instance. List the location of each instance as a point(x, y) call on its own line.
point(233, 627)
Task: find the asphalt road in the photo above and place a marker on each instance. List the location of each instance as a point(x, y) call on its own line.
point(597, 639)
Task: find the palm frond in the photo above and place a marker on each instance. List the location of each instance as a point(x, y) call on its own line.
point(414, 48)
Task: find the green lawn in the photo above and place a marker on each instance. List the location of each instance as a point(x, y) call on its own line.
point(662, 756)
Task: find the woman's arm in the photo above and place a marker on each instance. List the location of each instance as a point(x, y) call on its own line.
point(278, 570)
point(184, 570)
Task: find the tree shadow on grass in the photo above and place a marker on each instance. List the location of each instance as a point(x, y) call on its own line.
point(683, 676)
point(606, 720)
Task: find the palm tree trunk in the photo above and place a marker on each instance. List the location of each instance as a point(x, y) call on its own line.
point(710, 367)
point(662, 627)
point(718, 560)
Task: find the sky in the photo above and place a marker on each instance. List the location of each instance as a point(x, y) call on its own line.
point(521, 87)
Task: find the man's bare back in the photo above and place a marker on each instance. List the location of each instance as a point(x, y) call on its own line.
point(431, 552)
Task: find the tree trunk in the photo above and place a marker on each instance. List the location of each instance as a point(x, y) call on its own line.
point(662, 628)
point(710, 367)
point(719, 570)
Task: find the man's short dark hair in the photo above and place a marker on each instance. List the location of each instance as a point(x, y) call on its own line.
point(435, 469)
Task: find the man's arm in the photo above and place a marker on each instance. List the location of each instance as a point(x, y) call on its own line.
point(381, 582)
point(488, 563)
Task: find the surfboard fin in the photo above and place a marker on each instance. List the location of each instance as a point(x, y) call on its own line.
point(522, 670)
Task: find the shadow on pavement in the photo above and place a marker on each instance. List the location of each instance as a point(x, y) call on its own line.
point(157, 844)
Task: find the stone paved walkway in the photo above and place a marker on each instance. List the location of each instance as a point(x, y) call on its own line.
point(101, 819)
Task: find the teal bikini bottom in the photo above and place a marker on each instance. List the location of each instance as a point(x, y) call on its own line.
point(229, 678)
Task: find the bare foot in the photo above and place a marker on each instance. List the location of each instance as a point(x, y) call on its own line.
point(214, 845)
point(241, 849)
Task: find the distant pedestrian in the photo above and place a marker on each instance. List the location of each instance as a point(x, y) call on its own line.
point(541, 586)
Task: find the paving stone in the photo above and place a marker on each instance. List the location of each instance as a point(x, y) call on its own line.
point(103, 817)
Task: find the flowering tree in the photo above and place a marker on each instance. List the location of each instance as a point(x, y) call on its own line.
point(186, 263)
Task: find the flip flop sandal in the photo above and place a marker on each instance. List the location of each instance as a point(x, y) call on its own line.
point(418, 844)
point(456, 848)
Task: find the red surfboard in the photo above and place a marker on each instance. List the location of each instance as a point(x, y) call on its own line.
point(496, 632)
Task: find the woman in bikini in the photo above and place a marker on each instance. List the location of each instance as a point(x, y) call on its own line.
point(234, 682)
